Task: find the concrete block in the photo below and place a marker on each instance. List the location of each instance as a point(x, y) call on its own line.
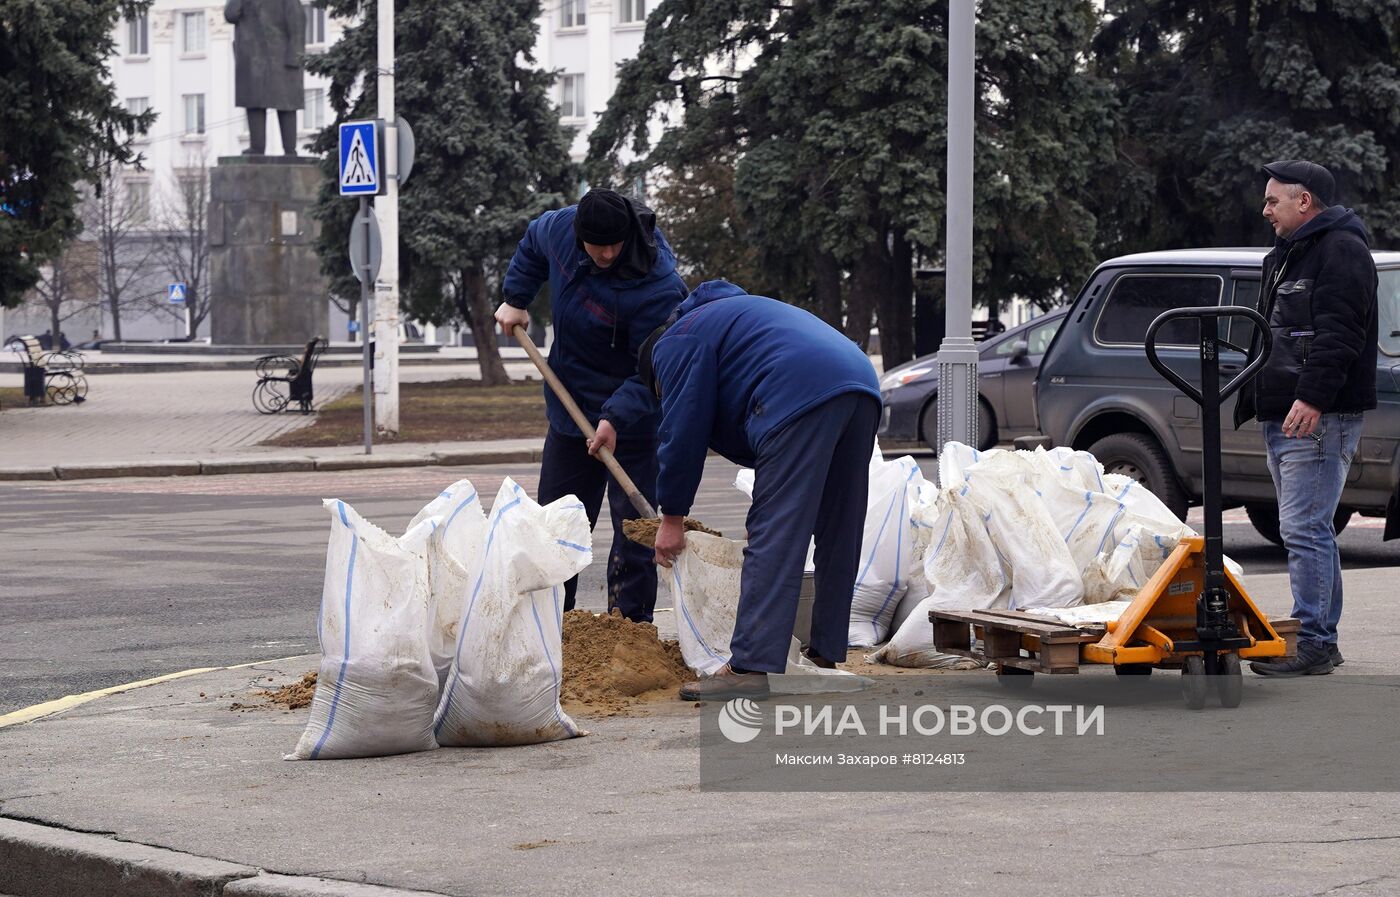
point(134, 469)
point(300, 886)
point(369, 462)
point(497, 456)
point(258, 465)
point(28, 473)
point(39, 861)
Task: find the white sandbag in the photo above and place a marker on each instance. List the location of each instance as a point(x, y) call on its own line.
point(923, 515)
point(704, 585)
point(887, 545)
point(376, 688)
point(1006, 489)
point(456, 550)
point(962, 565)
point(912, 645)
point(503, 683)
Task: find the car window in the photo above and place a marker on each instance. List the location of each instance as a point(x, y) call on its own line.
point(1388, 297)
point(1137, 299)
point(1041, 336)
point(1241, 330)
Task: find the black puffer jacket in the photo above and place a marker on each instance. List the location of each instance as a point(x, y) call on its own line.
point(1319, 297)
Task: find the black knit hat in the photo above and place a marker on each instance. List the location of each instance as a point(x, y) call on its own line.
point(604, 217)
point(1313, 177)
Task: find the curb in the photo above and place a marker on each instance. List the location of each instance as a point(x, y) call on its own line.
point(268, 465)
point(43, 861)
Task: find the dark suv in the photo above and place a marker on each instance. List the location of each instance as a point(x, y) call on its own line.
point(1096, 390)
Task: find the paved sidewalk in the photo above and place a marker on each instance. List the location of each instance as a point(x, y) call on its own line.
point(202, 418)
point(195, 797)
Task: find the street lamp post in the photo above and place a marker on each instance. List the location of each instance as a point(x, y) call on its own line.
point(957, 356)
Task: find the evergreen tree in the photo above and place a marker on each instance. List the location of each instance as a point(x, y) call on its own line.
point(491, 153)
point(62, 123)
point(1214, 89)
point(838, 124)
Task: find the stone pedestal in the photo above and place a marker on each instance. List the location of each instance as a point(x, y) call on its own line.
point(265, 284)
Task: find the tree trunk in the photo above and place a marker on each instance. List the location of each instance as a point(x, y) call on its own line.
point(871, 286)
point(827, 275)
point(113, 294)
point(475, 306)
point(901, 302)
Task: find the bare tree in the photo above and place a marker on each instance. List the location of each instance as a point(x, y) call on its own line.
point(68, 286)
point(116, 214)
point(182, 247)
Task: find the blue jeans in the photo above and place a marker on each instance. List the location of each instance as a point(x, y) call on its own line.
point(1309, 473)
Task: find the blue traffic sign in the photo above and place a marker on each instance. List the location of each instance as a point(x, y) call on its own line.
point(176, 293)
point(360, 173)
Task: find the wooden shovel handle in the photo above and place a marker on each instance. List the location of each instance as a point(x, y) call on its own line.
point(605, 455)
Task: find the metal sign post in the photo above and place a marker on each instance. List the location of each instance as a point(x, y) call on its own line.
point(365, 254)
point(179, 295)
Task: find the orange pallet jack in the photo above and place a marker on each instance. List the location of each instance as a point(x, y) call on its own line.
point(1192, 615)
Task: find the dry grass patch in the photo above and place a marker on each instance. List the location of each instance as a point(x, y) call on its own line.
point(444, 411)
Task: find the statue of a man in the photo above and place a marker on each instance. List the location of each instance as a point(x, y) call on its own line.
point(269, 39)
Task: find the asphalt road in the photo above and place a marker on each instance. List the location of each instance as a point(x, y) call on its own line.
point(106, 582)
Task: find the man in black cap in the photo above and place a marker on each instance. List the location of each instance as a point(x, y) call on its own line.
point(1319, 297)
point(612, 281)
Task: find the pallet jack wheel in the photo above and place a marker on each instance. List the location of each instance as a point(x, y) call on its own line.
point(1133, 669)
point(1015, 678)
point(1229, 682)
point(1193, 682)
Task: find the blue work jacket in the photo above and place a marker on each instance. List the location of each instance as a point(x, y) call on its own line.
point(735, 369)
point(600, 321)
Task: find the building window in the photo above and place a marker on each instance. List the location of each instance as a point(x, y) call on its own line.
point(572, 96)
point(571, 13)
point(138, 105)
point(194, 113)
point(192, 32)
point(315, 25)
point(138, 199)
point(633, 12)
point(313, 112)
point(136, 31)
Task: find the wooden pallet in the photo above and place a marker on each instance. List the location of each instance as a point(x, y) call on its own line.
point(1012, 639)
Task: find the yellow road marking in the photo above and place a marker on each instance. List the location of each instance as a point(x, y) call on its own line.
point(58, 705)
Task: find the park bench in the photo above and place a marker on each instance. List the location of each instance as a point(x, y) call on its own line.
point(283, 379)
point(55, 376)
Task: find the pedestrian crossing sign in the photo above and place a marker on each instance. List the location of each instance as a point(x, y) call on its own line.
point(360, 158)
point(176, 293)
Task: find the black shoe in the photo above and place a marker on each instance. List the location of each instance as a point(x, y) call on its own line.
point(1337, 658)
point(1312, 660)
point(818, 660)
point(726, 684)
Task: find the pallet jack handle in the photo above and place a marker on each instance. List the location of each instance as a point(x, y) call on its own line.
point(1212, 609)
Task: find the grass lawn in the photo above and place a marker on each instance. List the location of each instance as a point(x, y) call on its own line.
point(445, 411)
point(12, 397)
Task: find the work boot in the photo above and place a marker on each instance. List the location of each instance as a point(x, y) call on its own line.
point(1337, 658)
point(818, 660)
point(1314, 659)
point(726, 683)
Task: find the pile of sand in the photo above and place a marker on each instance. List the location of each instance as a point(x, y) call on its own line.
point(289, 697)
point(612, 664)
point(643, 531)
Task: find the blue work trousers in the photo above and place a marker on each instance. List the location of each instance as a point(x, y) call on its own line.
point(567, 469)
point(1309, 473)
point(811, 478)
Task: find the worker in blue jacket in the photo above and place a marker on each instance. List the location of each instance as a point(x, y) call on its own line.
point(612, 280)
point(772, 387)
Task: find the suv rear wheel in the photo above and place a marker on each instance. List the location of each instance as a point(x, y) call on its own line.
point(1139, 457)
point(928, 426)
point(1265, 520)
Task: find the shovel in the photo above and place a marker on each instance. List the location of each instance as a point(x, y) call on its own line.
point(605, 454)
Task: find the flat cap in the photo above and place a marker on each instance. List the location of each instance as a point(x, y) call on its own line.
point(1316, 179)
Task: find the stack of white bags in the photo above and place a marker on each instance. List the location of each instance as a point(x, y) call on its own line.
point(1033, 531)
point(451, 633)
